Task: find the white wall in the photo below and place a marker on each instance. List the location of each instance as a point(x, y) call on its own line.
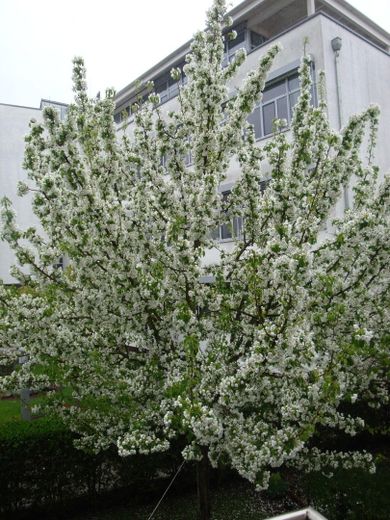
point(14, 123)
point(364, 79)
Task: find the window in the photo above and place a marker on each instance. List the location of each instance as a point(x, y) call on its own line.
point(279, 99)
point(60, 263)
point(256, 40)
point(60, 108)
point(247, 39)
point(168, 87)
point(232, 228)
point(232, 46)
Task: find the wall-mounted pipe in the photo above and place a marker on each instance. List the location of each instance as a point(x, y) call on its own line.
point(336, 47)
point(311, 7)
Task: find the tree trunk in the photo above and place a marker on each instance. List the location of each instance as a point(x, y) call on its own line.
point(202, 481)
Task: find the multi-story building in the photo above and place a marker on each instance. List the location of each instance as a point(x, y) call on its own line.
point(351, 49)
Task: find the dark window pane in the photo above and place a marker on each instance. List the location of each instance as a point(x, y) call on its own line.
point(293, 99)
point(276, 90)
point(264, 185)
point(161, 86)
point(268, 118)
point(256, 39)
point(226, 231)
point(282, 110)
point(172, 81)
point(254, 119)
point(293, 82)
point(238, 42)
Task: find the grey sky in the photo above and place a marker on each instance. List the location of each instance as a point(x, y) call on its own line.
point(119, 40)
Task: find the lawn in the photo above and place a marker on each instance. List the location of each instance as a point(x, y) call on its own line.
point(10, 408)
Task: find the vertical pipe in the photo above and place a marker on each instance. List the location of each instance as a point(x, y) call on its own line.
point(336, 46)
point(311, 8)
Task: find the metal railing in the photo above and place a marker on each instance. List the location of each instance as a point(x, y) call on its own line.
point(302, 514)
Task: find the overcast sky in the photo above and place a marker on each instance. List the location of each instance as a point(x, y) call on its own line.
point(119, 40)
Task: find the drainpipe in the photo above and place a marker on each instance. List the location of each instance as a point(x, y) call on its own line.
point(336, 47)
point(311, 8)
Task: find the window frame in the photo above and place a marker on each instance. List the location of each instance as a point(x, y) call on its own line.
point(287, 94)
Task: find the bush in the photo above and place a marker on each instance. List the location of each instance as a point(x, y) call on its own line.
point(40, 468)
point(351, 495)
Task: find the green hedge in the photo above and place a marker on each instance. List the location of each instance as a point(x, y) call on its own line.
point(40, 468)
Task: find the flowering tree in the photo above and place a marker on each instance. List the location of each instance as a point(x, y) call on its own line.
point(246, 367)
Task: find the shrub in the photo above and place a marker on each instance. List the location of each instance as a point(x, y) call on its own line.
point(40, 468)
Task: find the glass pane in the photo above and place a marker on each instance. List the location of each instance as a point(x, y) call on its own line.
point(256, 39)
point(282, 110)
point(237, 226)
point(268, 118)
point(276, 90)
point(173, 90)
point(293, 99)
point(226, 231)
point(238, 42)
point(172, 81)
point(188, 159)
point(264, 185)
point(254, 119)
point(293, 82)
point(161, 86)
point(215, 234)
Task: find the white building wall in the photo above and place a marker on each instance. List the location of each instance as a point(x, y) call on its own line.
point(14, 125)
point(364, 79)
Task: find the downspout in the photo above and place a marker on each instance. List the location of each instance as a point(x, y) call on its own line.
point(336, 47)
point(311, 7)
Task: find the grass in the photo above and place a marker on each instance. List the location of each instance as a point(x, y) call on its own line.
point(10, 409)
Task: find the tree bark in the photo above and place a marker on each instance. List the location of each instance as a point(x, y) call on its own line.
point(202, 481)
